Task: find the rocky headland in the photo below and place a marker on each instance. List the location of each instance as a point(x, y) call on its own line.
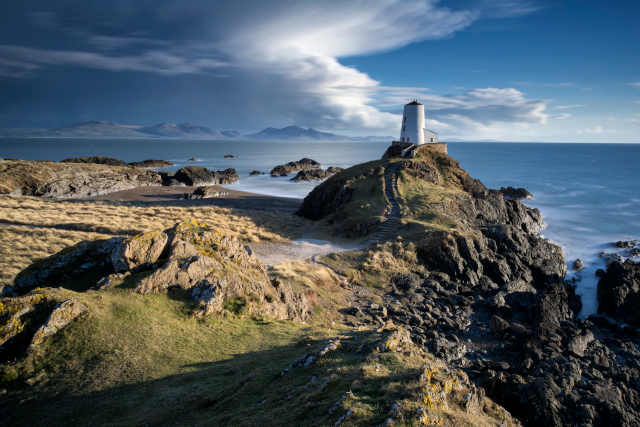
point(88, 177)
point(487, 293)
point(456, 311)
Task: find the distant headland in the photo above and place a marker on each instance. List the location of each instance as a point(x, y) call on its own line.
point(108, 130)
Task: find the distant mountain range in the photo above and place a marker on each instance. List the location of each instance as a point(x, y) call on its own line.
point(296, 133)
point(100, 129)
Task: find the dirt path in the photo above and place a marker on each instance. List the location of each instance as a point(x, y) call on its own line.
point(391, 193)
point(298, 250)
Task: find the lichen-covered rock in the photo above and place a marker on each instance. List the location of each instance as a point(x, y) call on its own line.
point(64, 313)
point(138, 251)
point(88, 255)
point(14, 313)
point(214, 267)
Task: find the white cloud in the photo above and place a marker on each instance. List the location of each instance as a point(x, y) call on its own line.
point(564, 107)
point(560, 116)
point(284, 55)
point(635, 84)
point(597, 129)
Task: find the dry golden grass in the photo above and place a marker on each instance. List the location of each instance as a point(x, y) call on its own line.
point(129, 218)
point(20, 246)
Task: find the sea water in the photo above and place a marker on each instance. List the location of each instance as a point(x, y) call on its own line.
point(587, 193)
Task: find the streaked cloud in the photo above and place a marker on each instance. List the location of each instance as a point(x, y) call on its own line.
point(564, 107)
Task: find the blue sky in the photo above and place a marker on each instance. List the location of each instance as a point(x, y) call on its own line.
point(513, 71)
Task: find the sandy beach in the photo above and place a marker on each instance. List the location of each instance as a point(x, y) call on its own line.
point(235, 199)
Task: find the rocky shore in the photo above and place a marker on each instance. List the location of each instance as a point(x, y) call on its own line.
point(315, 174)
point(97, 176)
point(490, 298)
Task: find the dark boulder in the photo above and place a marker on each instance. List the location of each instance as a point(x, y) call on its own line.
point(302, 164)
point(558, 303)
point(255, 173)
point(197, 176)
point(619, 292)
point(406, 280)
point(99, 160)
point(516, 193)
point(228, 176)
point(624, 244)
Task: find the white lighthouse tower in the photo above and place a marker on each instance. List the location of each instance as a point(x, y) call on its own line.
point(413, 135)
point(413, 123)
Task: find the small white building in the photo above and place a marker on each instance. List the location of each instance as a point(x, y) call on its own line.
point(413, 130)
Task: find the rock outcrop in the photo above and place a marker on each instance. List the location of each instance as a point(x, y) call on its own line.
point(213, 266)
point(302, 164)
point(516, 193)
point(151, 164)
point(195, 176)
point(311, 175)
point(71, 180)
point(619, 292)
point(63, 314)
point(99, 160)
point(205, 193)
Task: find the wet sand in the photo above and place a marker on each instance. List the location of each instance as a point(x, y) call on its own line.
point(235, 199)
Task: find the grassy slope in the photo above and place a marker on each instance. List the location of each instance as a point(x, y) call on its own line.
point(143, 360)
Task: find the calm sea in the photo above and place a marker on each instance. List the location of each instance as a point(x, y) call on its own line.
point(588, 193)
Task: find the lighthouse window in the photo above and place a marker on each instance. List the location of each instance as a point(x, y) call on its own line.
point(403, 139)
point(403, 128)
point(431, 139)
point(407, 139)
point(405, 120)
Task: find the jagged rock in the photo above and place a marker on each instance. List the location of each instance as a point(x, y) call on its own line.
point(311, 175)
point(554, 307)
point(633, 253)
point(151, 164)
point(139, 251)
point(334, 169)
point(516, 193)
point(63, 314)
point(447, 350)
point(577, 265)
point(611, 257)
point(498, 325)
point(578, 344)
point(175, 183)
point(406, 280)
point(87, 180)
point(302, 164)
point(518, 293)
point(99, 160)
point(619, 292)
point(623, 244)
